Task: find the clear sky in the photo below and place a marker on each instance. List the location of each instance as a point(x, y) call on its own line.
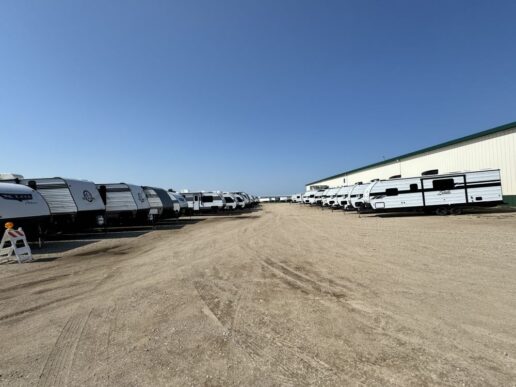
point(252, 95)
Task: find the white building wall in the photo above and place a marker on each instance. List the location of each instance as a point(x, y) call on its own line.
point(496, 150)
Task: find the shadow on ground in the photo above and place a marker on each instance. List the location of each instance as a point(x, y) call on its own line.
point(61, 243)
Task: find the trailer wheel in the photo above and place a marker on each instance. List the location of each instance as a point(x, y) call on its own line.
point(441, 211)
point(456, 211)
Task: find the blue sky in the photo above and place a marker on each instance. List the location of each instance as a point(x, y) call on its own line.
point(261, 96)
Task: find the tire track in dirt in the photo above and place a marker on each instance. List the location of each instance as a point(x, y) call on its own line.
point(302, 282)
point(310, 283)
point(97, 283)
point(59, 362)
point(287, 355)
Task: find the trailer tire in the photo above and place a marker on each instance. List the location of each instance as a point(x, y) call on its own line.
point(441, 211)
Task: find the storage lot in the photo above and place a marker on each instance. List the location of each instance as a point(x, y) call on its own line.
point(286, 295)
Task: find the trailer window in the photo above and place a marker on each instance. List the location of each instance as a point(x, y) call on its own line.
point(228, 199)
point(413, 188)
point(207, 199)
point(391, 192)
point(443, 184)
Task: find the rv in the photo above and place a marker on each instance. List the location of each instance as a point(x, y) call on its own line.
point(308, 196)
point(241, 202)
point(193, 200)
point(440, 194)
point(125, 203)
point(324, 197)
point(318, 197)
point(168, 209)
point(253, 201)
point(231, 201)
point(72, 203)
point(212, 201)
point(333, 199)
point(329, 197)
point(25, 208)
point(356, 196)
point(155, 203)
point(180, 203)
point(297, 198)
point(342, 197)
point(204, 201)
point(247, 200)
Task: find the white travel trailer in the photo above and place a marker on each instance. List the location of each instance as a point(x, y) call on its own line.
point(342, 197)
point(440, 194)
point(73, 203)
point(193, 199)
point(212, 201)
point(318, 197)
point(309, 197)
point(247, 200)
point(241, 202)
point(297, 198)
point(356, 196)
point(25, 208)
point(329, 197)
point(125, 203)
point(204, 201)
point(231, 201)
point(180, 203)
point(325, 197)
point(333, 201)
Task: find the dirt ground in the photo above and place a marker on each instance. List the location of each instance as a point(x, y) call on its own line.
point(288, 295)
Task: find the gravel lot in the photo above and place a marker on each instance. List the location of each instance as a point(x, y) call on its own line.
point(288, 295)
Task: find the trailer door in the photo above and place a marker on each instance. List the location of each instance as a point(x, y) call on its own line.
point(196, 202)
point(444, 191)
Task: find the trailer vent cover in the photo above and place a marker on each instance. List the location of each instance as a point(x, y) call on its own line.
point(430, 172)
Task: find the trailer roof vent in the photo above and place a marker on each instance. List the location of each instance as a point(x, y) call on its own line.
point(395, 177)
point(430, 172)
point(372, 181)
point(358, 183)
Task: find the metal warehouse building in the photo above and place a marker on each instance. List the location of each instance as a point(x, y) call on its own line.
point(493, 148)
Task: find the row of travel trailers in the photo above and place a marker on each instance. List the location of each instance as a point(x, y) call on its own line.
point(52, 205)
point(431, 192)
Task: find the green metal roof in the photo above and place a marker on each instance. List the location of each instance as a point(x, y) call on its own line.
point(424, 150)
